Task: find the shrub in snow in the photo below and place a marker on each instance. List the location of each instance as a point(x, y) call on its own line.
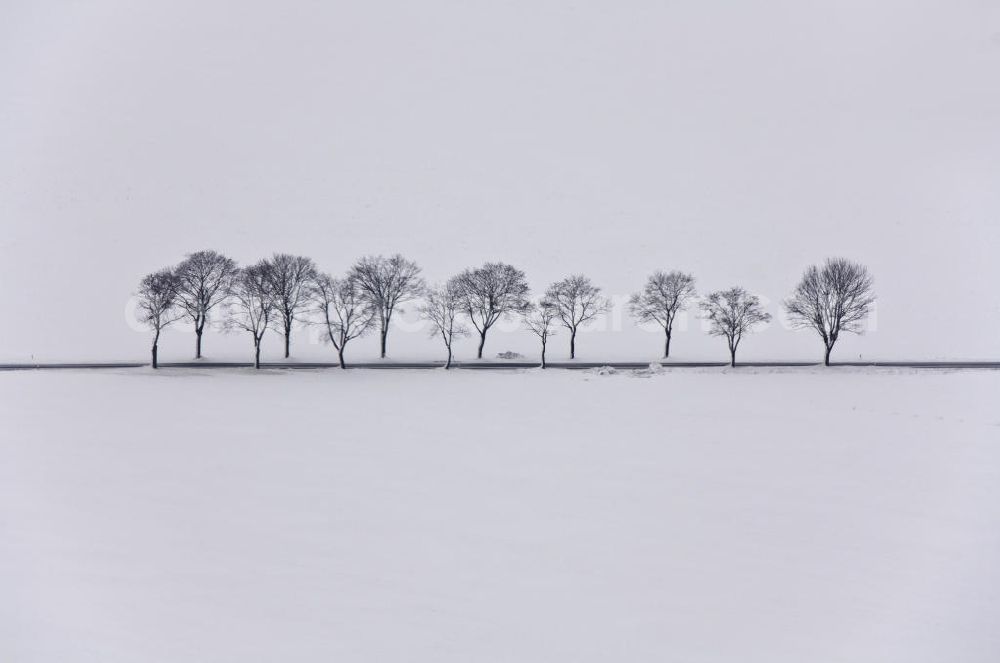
point(509, 355)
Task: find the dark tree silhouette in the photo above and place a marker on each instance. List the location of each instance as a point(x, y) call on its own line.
point(386, 283)
point(664, 296)
point(541, 319)
point(441, 308)
point(489, 293)
point(831, 299)
point(204, 279)
point(733, 313)
point(289, 279)
point(576, 301)
point(158, 304)
point(344, 312)
point(253, 307)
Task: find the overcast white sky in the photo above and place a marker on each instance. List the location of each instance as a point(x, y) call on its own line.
point(741, 141)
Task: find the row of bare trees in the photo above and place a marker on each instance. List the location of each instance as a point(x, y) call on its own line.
point(279, 292)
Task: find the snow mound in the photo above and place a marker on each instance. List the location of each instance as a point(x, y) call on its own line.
point(654, 368)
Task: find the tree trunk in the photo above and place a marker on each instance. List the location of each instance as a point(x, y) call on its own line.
point(155, 365)
point(197, 342)
point(666, 347)
point(256, 356)
point(572, 344)
point(448, 363)
point(732, 357)
point(340, 356)
point(288, 340)
point(384, 333)
point(482, 342)
point(826, 357)
point(543, 354)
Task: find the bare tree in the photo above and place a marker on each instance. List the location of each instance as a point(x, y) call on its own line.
point(831, 299)
point(343, 309)
point(664, 296)
point(441, 308)
point(204, 279)
point(489, 293)
point(289, 279)
point(253, 305)
point(733, 313)
point(386, 283)
point(577, 301)
point(158, 304)
point(541, 320)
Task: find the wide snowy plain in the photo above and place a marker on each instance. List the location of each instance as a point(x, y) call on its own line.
point(837, 515)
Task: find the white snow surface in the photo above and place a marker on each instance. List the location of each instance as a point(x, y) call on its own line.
point(696, 516)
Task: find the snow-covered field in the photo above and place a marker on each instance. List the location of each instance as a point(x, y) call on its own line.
point(801, 515)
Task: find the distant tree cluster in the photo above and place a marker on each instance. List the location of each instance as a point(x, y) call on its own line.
point(278, 292)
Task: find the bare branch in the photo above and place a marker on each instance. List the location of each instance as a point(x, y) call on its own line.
point(540, 320)
point(343, 309)
point(252, 305)
point(489, 293)
point(441, 308)
point(733, 313)
point(158, 304)
point(664, 296)
point(576, 302)
point(386, 283)
point(204, 280)
point(289, 280)
point(832, 299)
